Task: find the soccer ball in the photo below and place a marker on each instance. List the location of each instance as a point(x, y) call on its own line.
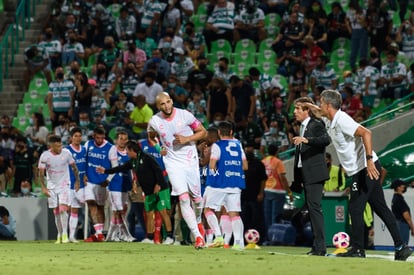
point(341, 240)
point(252, 236)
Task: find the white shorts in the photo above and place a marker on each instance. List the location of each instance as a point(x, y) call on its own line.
point(115, 198)
point(185, 180)
point(214, 198)
point(58, 198)
point(77, 198)
point(95, 192)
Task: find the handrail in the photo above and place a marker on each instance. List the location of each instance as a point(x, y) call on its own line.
point(9, 45)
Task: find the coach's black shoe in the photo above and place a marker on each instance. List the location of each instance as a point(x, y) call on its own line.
point(403, 253)
point(353, 252)
point(318, 253)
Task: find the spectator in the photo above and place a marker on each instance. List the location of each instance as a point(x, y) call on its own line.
point(62, 129)
point(196, 37)
point(274, 6)
point(53, 48)
point(336, 24)
point(7, 225)
point(249, 24)
point(125, 24)
point(356, 23)
point(393, 77)
point(316, 11)
point(197, 106)
point(290, 35)
point(367, 77)
point(150, 20)
point(72, 49)
point(162, 66)
point(223, 71)
point(243, 98)
point(60, 96)
point(201, 76)
point(120, 111)
point(149, 89)
point(130, 79)
point(273, 135)
point(323, 76)
point(248, 132)
point(405, 36)
point(401, 210)
point(74, 70)
point(139, 117)
point(177, 92)
point(298, 83)
point(86, 125)
point(314, 28)
point(110, 55)
point(83, 95)
point(349, 81)
point(171, 17)
point(95, 36)
point(374, 59)
point(289, 60)
point(379, 25)
point(181, 66)
point(36, 60)
point(145, 43)
point(134, 56)
point(220, 24)
point(336, 181)
point(106, 81)
point(5, 172)
point(37, 132)
point(219, 99)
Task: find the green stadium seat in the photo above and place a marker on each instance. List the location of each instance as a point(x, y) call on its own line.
point(272, 19)
point(202, 9)
point(199, 22)
point(39, 84)
point(21, 123)
point(266, 44)
point(266, 55)
point(341, 43)
point(114, 9)
point(221, 45)
point(268, 67)
point(246, 56)
point(241, 68)
point(34, 96)
point(245, 44)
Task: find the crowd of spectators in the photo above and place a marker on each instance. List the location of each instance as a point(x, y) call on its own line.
point(105, 61)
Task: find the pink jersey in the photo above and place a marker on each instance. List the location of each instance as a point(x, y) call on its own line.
point(57, 169)
point(182, 122)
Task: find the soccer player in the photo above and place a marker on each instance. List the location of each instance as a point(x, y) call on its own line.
point(55, 163)
point(98, 153)
point(77, 197)
point(151, 178)
point(178, 130)
point(225, 181)
point(118, 231)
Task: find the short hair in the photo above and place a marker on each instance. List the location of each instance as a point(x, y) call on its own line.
point(225, 60)
point(99, 131)
point(225, 128)
point(75, 130)
point(121, 132)
point(272, 149)
point(332, 97)
point(253, 71)
point(132, 145)
point(54, 139)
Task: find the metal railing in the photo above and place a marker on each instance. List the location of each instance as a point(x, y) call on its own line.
point(9, 45)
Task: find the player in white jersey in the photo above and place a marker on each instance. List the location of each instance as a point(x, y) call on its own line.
point(55, 162)
point(178, 130)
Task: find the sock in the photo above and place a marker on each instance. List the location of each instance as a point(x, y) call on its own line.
point(226, 228)
point(64, 217)
point(150, 236)
point(188, 214)
point(98, 228)
point(58, 222)
point(157, 227)
point(209, 236)
point(73, 224)
point(198, 209)
point(213, 223)
point(238, 229)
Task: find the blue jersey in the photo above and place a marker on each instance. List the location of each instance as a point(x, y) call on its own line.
point(80, 159)
point(122, 181)
point(229, 172)
point(151, 150)
point(98, 156)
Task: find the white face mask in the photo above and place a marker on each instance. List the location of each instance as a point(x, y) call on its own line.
point(25, 191)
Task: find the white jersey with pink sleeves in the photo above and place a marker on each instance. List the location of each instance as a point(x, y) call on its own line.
point(181, 122)
point(57, 169)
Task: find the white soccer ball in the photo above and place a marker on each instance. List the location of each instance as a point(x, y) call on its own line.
point(252, 236)
point(341, 240)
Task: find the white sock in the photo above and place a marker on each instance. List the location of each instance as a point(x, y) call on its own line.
point(58, 223)
point(188, 214)
point(73, 224)
point(198, 209)
point(226, 227)
point(238, 229)
point(213, 223)
point(64, 217)
point(209, 236)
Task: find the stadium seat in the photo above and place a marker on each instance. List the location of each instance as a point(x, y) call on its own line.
point(272, 19)
point(268, 67)
point(282, 80)
point(199, 22)
point(202, 9)
point(221, 45)
point(114, 9)
point(39, 84)
point(241, 68)
point(245, 55)
point(245, 44)
point(340, 54)
point(266, 44)
point(266, 55)
point(34, 96)
point(21, 123)
point(341, 43)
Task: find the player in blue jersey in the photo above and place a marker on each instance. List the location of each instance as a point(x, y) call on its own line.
point(118, 231)
point(77, 198)
point(98, 154)
point(225, 181)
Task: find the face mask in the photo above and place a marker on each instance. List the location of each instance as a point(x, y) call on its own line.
point(131, 48)
point(221, 68)
point(202, 66)
point(156, 59)
point(59, 75)
point(25, 191)
point(167, 45)
point(177, 59)
point(76, 12)
point(273, 130)
point(74, 71)
point(72, 40)
point(373, 55)
point(70, 26)
point(315, 8)
point(172, 85)
point(348, 79)
point(149, 84)
point(83, 123)
point(189, 31)
point(108, 46)
point(216, 122)
point(31, 121)
point(278, 104)
point(101, 71)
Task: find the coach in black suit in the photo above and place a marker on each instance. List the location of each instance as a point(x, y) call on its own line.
point(310, 168)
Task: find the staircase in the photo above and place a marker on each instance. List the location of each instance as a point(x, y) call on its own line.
point(13, 88)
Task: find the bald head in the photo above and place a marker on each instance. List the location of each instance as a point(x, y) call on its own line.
point(161, 96)
point(164, 103)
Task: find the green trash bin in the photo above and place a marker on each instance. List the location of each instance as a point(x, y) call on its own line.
point(335, 213)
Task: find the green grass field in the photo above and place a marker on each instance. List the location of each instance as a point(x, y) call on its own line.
point(44, 257)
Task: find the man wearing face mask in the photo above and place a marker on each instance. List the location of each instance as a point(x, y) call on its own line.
point(201, 76)
point(36, 60)
point(223, 70)
point(274, 136)
point(181, 66)
point(349, 82)
point(134, 57)
point(177, 92)
point(162, 66)
point(401, 210)
point(22, 164)
point(60, 97)
point(110, 55)
point(130, 79)
point(125, 24)
point(197, 38)
point(53, 48)
point(72, 50)
point(149, 88)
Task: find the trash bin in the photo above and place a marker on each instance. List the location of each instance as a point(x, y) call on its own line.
point(335, 213)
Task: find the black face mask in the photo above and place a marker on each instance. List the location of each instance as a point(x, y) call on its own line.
point(74, 71)
point(108, 46)
point(189, 31)
point(373, 55)
point(131, 48)
point(100, 71)
point(202, 66)
point(72, 40)
point(221, 68)
point(59, 75)
point(149, 84)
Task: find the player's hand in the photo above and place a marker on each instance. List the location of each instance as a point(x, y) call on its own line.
point(179, 139)
point(157, 188)
point(100, 170)
point(260, 197)
point(105, 183)
point(45, 191)
point(135, 188)
point(372, 171)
